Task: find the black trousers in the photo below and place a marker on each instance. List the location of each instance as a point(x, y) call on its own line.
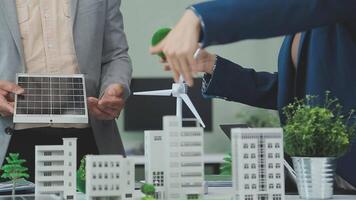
point(24, 142)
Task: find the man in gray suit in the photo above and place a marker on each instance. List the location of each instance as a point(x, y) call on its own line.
point(64, 37)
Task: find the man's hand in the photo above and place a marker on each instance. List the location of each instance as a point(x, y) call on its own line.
point(203, 63)
point(7, 89)
point(180, 45)
point(109, 106)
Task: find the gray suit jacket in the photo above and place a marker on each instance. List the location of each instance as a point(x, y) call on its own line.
point(101, 49)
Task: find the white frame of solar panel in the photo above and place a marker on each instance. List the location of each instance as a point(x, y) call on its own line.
point(52, 118)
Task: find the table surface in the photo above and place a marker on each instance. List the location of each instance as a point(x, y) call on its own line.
point(213, 194)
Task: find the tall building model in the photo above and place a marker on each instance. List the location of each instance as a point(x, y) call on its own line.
point(109, 177)
point(257, 163)
point(180, 173)
point(56, 169)
point(154, 158)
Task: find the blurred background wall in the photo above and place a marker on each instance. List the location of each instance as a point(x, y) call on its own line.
point(143, 17)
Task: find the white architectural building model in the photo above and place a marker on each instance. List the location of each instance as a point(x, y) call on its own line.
point(56, 169)
point(154, 168)
point(180, 173)
point(257, 163)
point(110, 177)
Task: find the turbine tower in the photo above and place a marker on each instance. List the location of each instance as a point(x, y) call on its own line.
point(179, 90)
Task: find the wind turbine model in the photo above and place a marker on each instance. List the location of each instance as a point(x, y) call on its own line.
point(179, 90)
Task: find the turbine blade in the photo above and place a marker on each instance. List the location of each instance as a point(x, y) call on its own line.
point(192, 108)
point(155, 93)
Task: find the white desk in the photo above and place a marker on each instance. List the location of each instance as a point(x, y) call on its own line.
point(225, 194)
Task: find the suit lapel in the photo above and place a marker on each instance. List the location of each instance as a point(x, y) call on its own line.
point(10, 13)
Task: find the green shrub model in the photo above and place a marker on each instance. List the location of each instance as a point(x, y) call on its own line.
point(158, 36)
point(149, 190)
point(81, 176)
point(316, 131)
point(14, 169)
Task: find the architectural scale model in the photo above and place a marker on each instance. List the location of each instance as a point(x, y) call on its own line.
point(257, 163)
point(109, 177)
point(179, 174)
point(51, 99)
point(55, 170)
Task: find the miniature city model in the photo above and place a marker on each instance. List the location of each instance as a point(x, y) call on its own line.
point(257, 163)
point(109, 176)
point(180, 173)
point(56, 169)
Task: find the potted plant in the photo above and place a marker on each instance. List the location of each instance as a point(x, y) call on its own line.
point(315, 136)
point(14, 170)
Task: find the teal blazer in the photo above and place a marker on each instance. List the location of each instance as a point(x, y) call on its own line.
point(326, 58)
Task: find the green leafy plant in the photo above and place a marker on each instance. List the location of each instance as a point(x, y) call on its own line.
point(81, 176)
point(149, 191)
point(14, 169)
point(317, 131)
point(259, 118)
point(225, 168)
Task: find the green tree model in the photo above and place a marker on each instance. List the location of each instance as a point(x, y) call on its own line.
point(149, 190)
point(14, 170)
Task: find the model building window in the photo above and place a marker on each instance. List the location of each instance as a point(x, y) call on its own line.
point(248, 197)
point(245, 146)
point(270, 186)
point(270, 165)
point(278, 186)
point(270, 175)
point(253, 176)
point(278, 155)
point(47, 153)
point(270, 155)
point(278, 175)
point(278, 165)
point(47, 163)
point(47, 184)
point(270, 145)
point(254, 186)
point(47, 173)
point(246, 176)
point(253, 146)
point(245, 155)
point(277, 145)
point(246, 166)
point(247, 186)
point(253, 155)
point(277, 197)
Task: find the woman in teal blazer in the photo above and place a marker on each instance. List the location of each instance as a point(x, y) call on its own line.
point(326, 58)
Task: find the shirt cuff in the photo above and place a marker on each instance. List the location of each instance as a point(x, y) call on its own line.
point(207, 82)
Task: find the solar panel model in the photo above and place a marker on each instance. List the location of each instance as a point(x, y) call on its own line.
point(51, 99)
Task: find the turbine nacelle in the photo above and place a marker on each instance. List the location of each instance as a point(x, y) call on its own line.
point(179, 88)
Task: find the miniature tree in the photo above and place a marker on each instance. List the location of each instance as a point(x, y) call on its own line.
point(81, 176)
point(14, 170)
point(149, 190)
